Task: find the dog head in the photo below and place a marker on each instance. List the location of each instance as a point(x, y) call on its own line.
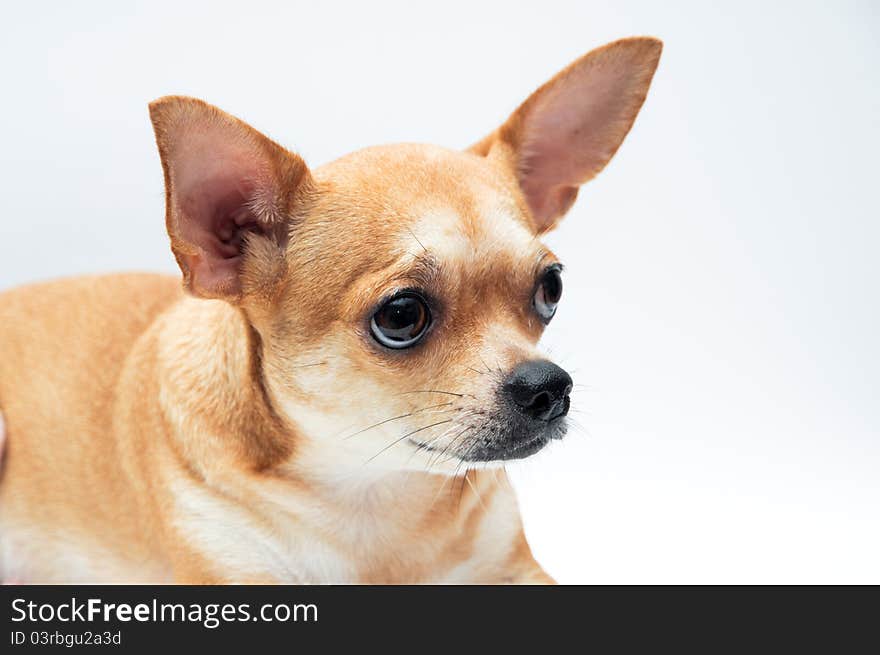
point(399, 292)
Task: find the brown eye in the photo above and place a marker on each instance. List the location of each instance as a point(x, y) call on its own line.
point(548, 294)
point(401, 321)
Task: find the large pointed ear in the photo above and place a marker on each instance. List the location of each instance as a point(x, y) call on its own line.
point(225, 184)
point(568, 129)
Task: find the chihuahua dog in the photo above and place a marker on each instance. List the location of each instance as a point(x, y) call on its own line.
point(331, 396)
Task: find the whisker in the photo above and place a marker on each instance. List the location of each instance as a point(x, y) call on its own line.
point(448, 393)
point(475, 434)
point(579, 429)
point(454, 476)
point(450, 444)
point(396, 418)
point(445, 433)
point(453, 443)
point(476, 493)
point(408, 434)
point(417, 239)
point(439, 492)
point(437, 454)
point(426, 447)
point(461, 484)
point(446, 478)
point(500, 370)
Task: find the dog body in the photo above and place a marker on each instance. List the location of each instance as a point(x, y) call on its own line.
point(332, 394)
point(108, 491)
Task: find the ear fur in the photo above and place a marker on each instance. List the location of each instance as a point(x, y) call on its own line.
point(226, 185)
point(568, 130)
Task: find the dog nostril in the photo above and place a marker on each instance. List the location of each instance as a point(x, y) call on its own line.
point(544, 407)
point(539, 403)
point(540, 390)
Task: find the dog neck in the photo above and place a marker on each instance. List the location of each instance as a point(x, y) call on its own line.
point(211, 390)
point(377, 524)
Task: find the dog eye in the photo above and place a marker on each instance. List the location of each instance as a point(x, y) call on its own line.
point(548, 293)
point(401, 321)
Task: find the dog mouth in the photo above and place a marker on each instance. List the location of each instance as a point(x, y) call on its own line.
point(505, 452)
point(498, 445)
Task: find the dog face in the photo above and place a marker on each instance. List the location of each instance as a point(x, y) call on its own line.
point(399, 292)
point(419, 343)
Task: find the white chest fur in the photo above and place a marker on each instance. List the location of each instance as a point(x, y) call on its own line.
point(271, 529)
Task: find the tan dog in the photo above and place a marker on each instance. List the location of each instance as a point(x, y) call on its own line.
point(355, 358)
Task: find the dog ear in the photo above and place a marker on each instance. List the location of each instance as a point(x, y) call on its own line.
point(568, 129)
point(224, 183)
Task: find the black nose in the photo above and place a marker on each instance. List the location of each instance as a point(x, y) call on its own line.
point(539, 389)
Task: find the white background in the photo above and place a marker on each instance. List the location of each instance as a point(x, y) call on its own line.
point(721, 303)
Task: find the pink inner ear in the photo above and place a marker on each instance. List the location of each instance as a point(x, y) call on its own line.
point(572, 127)
point(217, 213)
point(569, 138)
point(215, 186)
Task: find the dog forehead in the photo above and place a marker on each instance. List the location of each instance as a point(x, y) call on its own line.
point(491, 231)
point(455, 203)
